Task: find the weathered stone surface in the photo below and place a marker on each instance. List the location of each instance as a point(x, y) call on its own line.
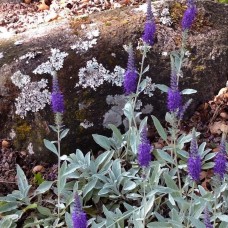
point(205, 70)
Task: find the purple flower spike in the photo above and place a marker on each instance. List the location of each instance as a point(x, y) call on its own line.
point(221, 160)
point(174, 96)
point(78, 216)
point(144, 155)
point(57, 100)
point(194, 161)
point(189, 15)
point(150, 27)
point(130, 77)
point(207, 222)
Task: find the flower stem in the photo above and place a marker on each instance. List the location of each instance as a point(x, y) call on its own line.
point(58, 181)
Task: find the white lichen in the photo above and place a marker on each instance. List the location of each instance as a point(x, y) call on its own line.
point(94, 75)
point(86, 124)
point(29, 55)
point(82, 46)
point(33, 96)
point(54, 63)
point(12, 134)
point(30, 148)
point(165, 18)
point(19, 79)
point(150, 87)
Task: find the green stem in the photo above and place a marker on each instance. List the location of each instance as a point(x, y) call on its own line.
point(144, 203)
point(188, 225)
point(175, 159)
point(58, 181)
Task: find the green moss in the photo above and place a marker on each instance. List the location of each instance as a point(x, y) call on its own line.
point(199, 68)
point(23, 131)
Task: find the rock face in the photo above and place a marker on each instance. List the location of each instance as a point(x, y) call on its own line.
point(90, 80)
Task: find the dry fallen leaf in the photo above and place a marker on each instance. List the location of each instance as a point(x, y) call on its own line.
point(218, 127)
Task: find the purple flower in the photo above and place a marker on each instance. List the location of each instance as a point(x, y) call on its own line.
point(221, 160)
point(194, 161)
point(207, 222)
point(174, 96)
point(150, 27)
point(189, 15)
point(184, 108)
point(57, 101)
point(78, 216)
point(144, 155)
point(130, 77)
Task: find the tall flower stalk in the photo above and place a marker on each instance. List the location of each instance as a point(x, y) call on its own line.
point(57, 103)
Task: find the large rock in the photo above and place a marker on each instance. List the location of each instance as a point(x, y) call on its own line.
point(89, 111)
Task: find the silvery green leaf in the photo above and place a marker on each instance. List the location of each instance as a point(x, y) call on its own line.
point(176, 216)
point(134, 140)
point(116, 168)
point(103, 158)
point(223, 225)
point(223, 218)
point(143, 124)
point(146, 69)
point(159, 128)
point(22, 182)
point(44, 187)
point(197, 223)
point(63, 158)
point(149, 204)
point(163, 189)
point(198, 209)
point(155, 174)
point(64, 133)
point(50, 146)
point(89, 187)
point(104, 191)
point(128, 111)
point(162, 87)
point(116, 132)
point(165, 156)
point(8, 207)
point(44, 211)
point(133, 196)
point(203, 192)
point(70, 169)
point(129, 185)
point(171, 200)
point(54, 128)
point(142, 85)
point(188, 91)
point(159, 225)
point(68, 219)
point(202, 155)
point(208, 165)
point(80, 156)
point(209, 157)
point(169, 118)
point(170, 182)
point(102, 141)
point(201, 148)
point(183, 154)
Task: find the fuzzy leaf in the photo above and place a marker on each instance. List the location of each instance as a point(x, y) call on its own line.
point(162, 87)
point(64, 133)
point(44, 187)
point(50, 146)
point(159, 128)
point(188, 91)
point(102, 141)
